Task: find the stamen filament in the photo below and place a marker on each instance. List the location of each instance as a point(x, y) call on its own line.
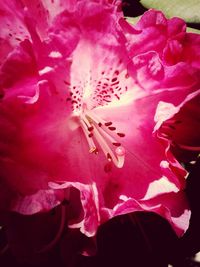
point(102, 123)
point(118, 161)
point(92, 147)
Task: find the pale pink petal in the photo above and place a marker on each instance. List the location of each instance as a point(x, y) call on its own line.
point(42, 200)
point(161, 186)
point(104, 69)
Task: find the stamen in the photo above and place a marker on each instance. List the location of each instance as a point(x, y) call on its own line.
point(120, 151)
point(93, 150)
point(109, 157)
point(107, 150)
point(88, 138)
point(101, 123)
point(100, 132)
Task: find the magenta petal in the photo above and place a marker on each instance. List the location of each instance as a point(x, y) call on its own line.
point(153, 74)
point(175, 120)
point(177, 216)
point(175, 208)
point(81, 94)
point(191, 49)
point(89, 201)
point(155, 32)
point(19, 64)
point(13, 28)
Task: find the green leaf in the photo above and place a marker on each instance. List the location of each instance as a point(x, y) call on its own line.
point(133, 20)
point(193, 30)
point(189, 10)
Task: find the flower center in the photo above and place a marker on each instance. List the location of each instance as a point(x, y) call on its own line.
point(102, 135)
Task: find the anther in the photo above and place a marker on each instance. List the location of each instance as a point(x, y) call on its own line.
point(112, 128)
point(121, 134)
point(116, 144)
point(93, 150)
point(108, 123)
point(91, 128)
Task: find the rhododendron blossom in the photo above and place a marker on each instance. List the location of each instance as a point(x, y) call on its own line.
point(80, 88)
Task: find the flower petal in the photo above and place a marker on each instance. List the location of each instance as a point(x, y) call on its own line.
point(13, 28)
point(89, 201)
point(177, 215)
point(179, 119)
point(19, 64)
point(42, 200)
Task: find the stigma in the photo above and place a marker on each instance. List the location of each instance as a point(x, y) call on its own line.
point(102, 136)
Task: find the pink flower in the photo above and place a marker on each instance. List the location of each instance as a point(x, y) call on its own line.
point(80, 91)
